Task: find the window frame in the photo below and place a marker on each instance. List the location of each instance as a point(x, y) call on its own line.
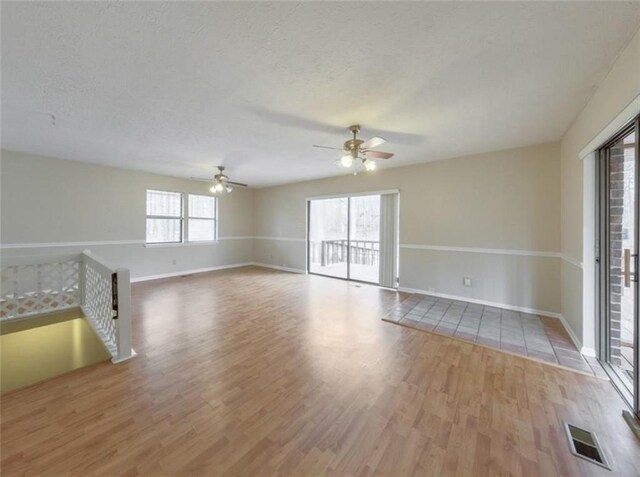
point(166, 217)
point(184, 217)
point(188, 217)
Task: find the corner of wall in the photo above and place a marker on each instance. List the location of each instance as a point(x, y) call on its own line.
point(611, 100)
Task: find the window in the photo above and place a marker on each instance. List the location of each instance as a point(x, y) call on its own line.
point(166, 214)
point(164, 217)
point(202, 218)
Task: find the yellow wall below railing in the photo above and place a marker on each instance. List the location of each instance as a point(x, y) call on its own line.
point(40, 348)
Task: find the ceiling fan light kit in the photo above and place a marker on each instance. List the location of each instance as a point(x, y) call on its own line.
point(222, 184)
point(359, 151)
point(346, 161)
point(369, 164)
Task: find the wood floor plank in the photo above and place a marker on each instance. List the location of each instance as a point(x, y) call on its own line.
point(256, 372)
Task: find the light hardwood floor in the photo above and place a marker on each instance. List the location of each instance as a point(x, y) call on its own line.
point(255, 372)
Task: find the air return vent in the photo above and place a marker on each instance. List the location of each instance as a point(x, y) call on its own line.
point(585, 445)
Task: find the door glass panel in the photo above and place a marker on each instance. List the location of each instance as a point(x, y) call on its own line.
point(622, 249)
point(364, 234)
point(328, 236)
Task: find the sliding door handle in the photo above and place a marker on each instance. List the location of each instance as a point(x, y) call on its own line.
point(627, 266)
point(628, 276)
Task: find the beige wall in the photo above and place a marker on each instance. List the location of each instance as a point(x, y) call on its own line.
point(617, 91)
point(506, 201)
point(513, 202)
point(46, 200)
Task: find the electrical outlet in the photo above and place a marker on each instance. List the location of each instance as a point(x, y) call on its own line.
point(173, 261)
point(466, 281)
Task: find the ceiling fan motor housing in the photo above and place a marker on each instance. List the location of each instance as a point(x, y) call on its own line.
point(353, 146)
point(358, 148)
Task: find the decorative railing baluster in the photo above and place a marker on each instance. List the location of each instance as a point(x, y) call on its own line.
point(106, 288)
point(35, 285)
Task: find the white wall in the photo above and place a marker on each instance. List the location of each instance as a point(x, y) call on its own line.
point(494, 217)
point(52, 201)
point(619, 89)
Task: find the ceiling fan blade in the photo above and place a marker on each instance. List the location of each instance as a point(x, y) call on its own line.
point(375, 141)
point(328, 147)
point(378, 154)
point(408, 139)
point(199, 179)
point(236, 184)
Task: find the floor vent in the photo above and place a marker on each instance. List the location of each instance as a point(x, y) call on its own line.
point(585, 445)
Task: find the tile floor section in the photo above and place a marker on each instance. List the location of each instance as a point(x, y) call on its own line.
point(529, 335)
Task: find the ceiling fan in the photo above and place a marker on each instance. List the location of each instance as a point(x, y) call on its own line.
point(358, 149)
point(221, 182)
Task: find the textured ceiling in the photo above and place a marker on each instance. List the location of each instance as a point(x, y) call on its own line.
point(177, 88)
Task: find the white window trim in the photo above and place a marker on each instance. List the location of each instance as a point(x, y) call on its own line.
point(355, 194)
point(187, 217)
point(170, 217)
point(184, 222)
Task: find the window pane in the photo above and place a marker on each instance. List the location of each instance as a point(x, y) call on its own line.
point(164, 230)
point(201, 230)
point(202, 206)
point(168, 204)
point(328, 239)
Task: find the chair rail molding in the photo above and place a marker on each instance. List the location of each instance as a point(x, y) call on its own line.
point(492, 251)
point(96, 243)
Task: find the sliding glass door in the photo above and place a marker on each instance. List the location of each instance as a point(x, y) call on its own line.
point(328, 242)
point(364, 238)
point(354, 238)
point(618, 171)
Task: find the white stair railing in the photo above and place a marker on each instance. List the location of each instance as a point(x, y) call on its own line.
point(36, 285)
point(106, 302)
point(42, 284)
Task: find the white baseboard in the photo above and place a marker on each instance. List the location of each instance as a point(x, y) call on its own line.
point(189, 272)
point(504, 306)
point(213, 269)
point(573, 336)
point(576, 341)
point(585, 351)
point(278, 267)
